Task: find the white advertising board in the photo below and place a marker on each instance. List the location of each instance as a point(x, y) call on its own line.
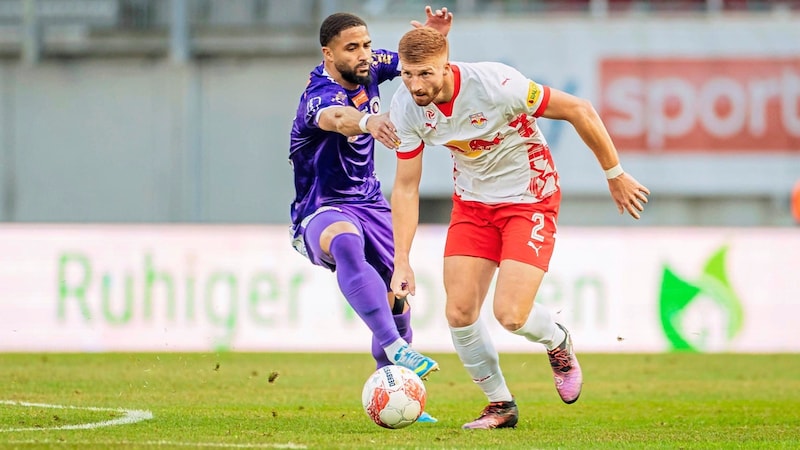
point(243, 288)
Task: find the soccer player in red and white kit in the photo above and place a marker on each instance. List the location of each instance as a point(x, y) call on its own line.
point(505, 203)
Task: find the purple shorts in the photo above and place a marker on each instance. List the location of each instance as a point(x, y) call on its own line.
point(374, 223)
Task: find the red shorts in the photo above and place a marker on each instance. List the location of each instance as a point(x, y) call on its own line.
point(524, 232)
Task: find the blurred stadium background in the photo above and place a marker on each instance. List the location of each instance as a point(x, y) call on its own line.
point(144, 184)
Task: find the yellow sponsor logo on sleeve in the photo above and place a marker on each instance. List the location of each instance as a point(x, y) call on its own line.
point(533, 94)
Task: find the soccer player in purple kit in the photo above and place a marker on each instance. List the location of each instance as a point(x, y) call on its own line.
point(340, 218)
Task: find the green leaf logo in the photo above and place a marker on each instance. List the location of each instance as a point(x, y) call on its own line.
point(700, 315)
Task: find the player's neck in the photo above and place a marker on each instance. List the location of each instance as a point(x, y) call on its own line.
point(448, 90)
point(337, 77)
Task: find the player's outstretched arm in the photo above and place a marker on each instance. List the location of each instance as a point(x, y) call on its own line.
point(405, 218)
point(441, 20)
point(628, 194)
point(349, 121)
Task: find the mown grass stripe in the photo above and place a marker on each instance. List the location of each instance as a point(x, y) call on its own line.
point(288, 445)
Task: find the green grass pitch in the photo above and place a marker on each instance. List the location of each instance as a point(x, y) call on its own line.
point(286, 400)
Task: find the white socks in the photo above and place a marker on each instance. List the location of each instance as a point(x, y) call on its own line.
point(476, 350)
point(392, 349)
point(541, 327)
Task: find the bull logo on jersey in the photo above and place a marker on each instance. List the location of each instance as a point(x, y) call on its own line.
point(478, 120)
point(474, 147)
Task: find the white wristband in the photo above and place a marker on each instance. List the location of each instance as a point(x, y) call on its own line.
point(614, 172)
point(363, 122)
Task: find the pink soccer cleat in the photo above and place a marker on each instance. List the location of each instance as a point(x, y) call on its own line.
point(496, 415)
point(566, 370)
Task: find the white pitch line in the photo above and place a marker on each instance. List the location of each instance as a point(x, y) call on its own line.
point(129, 416)
point(289, 445)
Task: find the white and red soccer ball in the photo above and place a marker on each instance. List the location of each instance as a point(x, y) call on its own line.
point(394, 397)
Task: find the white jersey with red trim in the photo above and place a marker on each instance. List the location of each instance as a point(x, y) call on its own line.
point(499, 153)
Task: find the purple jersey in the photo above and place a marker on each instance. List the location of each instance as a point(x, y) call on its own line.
point(330, 168)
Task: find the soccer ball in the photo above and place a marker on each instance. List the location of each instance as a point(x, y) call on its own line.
point(393, 397)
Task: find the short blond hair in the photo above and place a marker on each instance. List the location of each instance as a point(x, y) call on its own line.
point(421, 44)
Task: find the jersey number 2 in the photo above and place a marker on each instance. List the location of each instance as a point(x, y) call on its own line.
point(538, 224)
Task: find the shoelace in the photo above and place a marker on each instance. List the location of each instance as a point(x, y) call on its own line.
point(560, 360)
point(494, 408)
point(410, 357)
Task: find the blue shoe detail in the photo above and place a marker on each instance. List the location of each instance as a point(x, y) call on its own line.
point(427, 418)
point(416, 362)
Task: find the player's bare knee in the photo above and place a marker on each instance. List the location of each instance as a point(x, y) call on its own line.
point(460, 316)
point(511, 320)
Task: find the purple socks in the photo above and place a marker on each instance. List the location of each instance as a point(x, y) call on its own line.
point(364, 290)
point(403, 322)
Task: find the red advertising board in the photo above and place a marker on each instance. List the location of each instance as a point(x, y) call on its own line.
point(702, 105)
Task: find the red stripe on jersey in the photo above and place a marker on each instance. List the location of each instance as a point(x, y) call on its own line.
point(447, 108)
point(412, 153)
point(545, 101)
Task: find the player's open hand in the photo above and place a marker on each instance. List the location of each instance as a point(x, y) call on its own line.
point(628, 194)
point(383, 130)
point(440, 20)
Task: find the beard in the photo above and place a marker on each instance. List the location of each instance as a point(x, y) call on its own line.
point(422, 101)
point(350, 76)
point(426, 98)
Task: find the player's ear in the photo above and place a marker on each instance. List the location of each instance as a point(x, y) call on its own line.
point(327, 53)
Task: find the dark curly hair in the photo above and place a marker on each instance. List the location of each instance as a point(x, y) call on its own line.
point(335, 24)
